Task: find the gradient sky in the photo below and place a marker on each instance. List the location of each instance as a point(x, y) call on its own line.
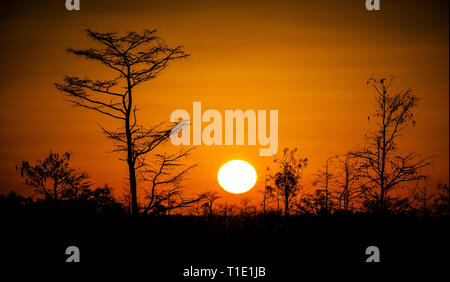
point(308, 59)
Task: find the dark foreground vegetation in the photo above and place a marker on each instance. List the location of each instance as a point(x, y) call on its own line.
point(111, 241)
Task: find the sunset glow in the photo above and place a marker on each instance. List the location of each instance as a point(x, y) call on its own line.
point(220, 140)
point(313, 73)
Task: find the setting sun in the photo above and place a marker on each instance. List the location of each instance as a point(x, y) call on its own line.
point(237, 176)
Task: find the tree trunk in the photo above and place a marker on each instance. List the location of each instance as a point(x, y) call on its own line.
point(286, 204)
point(132, 174)
point(265, 191)
point(383, 157)
point(130, 157)
point(326, 186)
point(210, 212)
point(286, 194)
point(55, 187)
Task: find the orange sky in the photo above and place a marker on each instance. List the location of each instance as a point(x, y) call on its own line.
point(308, 59)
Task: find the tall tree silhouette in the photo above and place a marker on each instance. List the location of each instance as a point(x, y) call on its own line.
point(53, 176)
point(287, 179)
point(384, 168)
point(135, 58)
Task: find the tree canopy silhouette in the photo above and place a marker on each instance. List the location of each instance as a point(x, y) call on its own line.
point(287, 179)
point(135, 58)
point(53, 176)
point(383, 167)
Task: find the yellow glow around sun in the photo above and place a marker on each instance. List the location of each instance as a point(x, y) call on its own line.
point(237, 176)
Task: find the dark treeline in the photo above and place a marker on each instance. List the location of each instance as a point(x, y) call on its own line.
point(100, 201)
point(374, 178)
point(39, 231)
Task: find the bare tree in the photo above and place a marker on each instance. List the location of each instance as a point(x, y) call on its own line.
point(347, 180)
point(383, 167)
point(268, 192)
point(325, 176)
point(210, 198)
point(287, 179)
point(164, 175)
point(442, 201)
point(135, 58)
point(244, 206)
point(53, 176)
point(423, 196)
point(125, 200)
